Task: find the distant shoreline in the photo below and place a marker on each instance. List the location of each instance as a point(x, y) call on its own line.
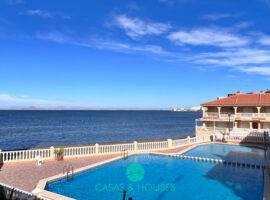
point(2, 109)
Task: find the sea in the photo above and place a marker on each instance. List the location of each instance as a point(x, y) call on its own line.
point(23, 129)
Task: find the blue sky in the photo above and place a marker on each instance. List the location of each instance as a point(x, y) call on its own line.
point(131, 54)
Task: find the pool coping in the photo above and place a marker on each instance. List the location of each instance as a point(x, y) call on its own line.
point(55, 196)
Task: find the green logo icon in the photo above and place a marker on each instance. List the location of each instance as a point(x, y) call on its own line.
point(135, 172)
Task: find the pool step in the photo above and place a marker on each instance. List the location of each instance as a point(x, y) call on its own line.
point(226, 162)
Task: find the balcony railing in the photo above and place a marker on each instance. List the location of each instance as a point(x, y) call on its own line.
point(216, 129)
point(237, 131)
point(227, 115)
point(254, 115)
point(211, 114)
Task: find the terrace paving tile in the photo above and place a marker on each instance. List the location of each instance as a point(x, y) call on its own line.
point(26, 175)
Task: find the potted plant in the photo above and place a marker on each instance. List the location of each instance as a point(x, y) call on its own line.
point(211, 138)
point(60, 154)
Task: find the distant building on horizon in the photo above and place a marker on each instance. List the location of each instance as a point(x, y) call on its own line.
point(237, 113)
point(196, 108)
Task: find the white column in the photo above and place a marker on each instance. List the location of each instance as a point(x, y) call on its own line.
point(135, 146)
point(214, 126)
point(235, 125)
point(204, 109)
point(52, 152)
point(259, 125)
point(169, 143)
point(96, 148)
point(235, 111)
point(259, 111)
point(188, 139)
point(204, 138)
point(219, 108)
point(250, 125)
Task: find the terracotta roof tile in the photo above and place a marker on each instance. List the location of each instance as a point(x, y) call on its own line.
point(243, 99)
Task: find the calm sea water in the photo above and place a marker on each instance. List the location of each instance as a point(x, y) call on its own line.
point(27, 129)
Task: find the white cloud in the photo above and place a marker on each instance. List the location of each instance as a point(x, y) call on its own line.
point(208, 36)
point(54, 36)
point(106, 44)
point(135, 27)
point(234, 57)
point(217, 16)
point(128, 48)
point(256, 70)
point(40, 13)
point(264, 40)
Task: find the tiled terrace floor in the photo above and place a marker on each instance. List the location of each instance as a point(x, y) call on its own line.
point(26, 175)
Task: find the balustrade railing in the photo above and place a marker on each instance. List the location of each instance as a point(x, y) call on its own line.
point(248, 138)
point(79, 151)
point(179, 142)
point(115, 148)
point(25, 155)
point(211, 114)
point(152, 145)
point(227, 115)
point(49, 153)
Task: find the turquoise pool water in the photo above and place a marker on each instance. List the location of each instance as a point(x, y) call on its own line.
point(163, 178)
point(230, 152)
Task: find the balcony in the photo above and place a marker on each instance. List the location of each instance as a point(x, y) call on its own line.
point(213, 115)
point(213, 129)
point(248, 116)
point(236, 131)
point(232, 116)
point(223, 115)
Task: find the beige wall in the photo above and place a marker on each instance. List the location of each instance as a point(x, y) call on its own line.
point(209, 124)
point(199, 133)
point(222, 124)
point(265, 110)
point(242, 124)
point(227, 109)
point(211, 109)
point(247, 109)
point(265, 125)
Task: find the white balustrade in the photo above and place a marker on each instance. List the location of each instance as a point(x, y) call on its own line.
point(193, 140)
point(79, 151)
point(152, 145)
point(8, 156)
point(211, 114)
point(179, 142)
point(249, 138)
point(48, 153)
point(115, 148)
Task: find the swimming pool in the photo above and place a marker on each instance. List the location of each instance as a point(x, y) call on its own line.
point(156, 177)
point(230, 152)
